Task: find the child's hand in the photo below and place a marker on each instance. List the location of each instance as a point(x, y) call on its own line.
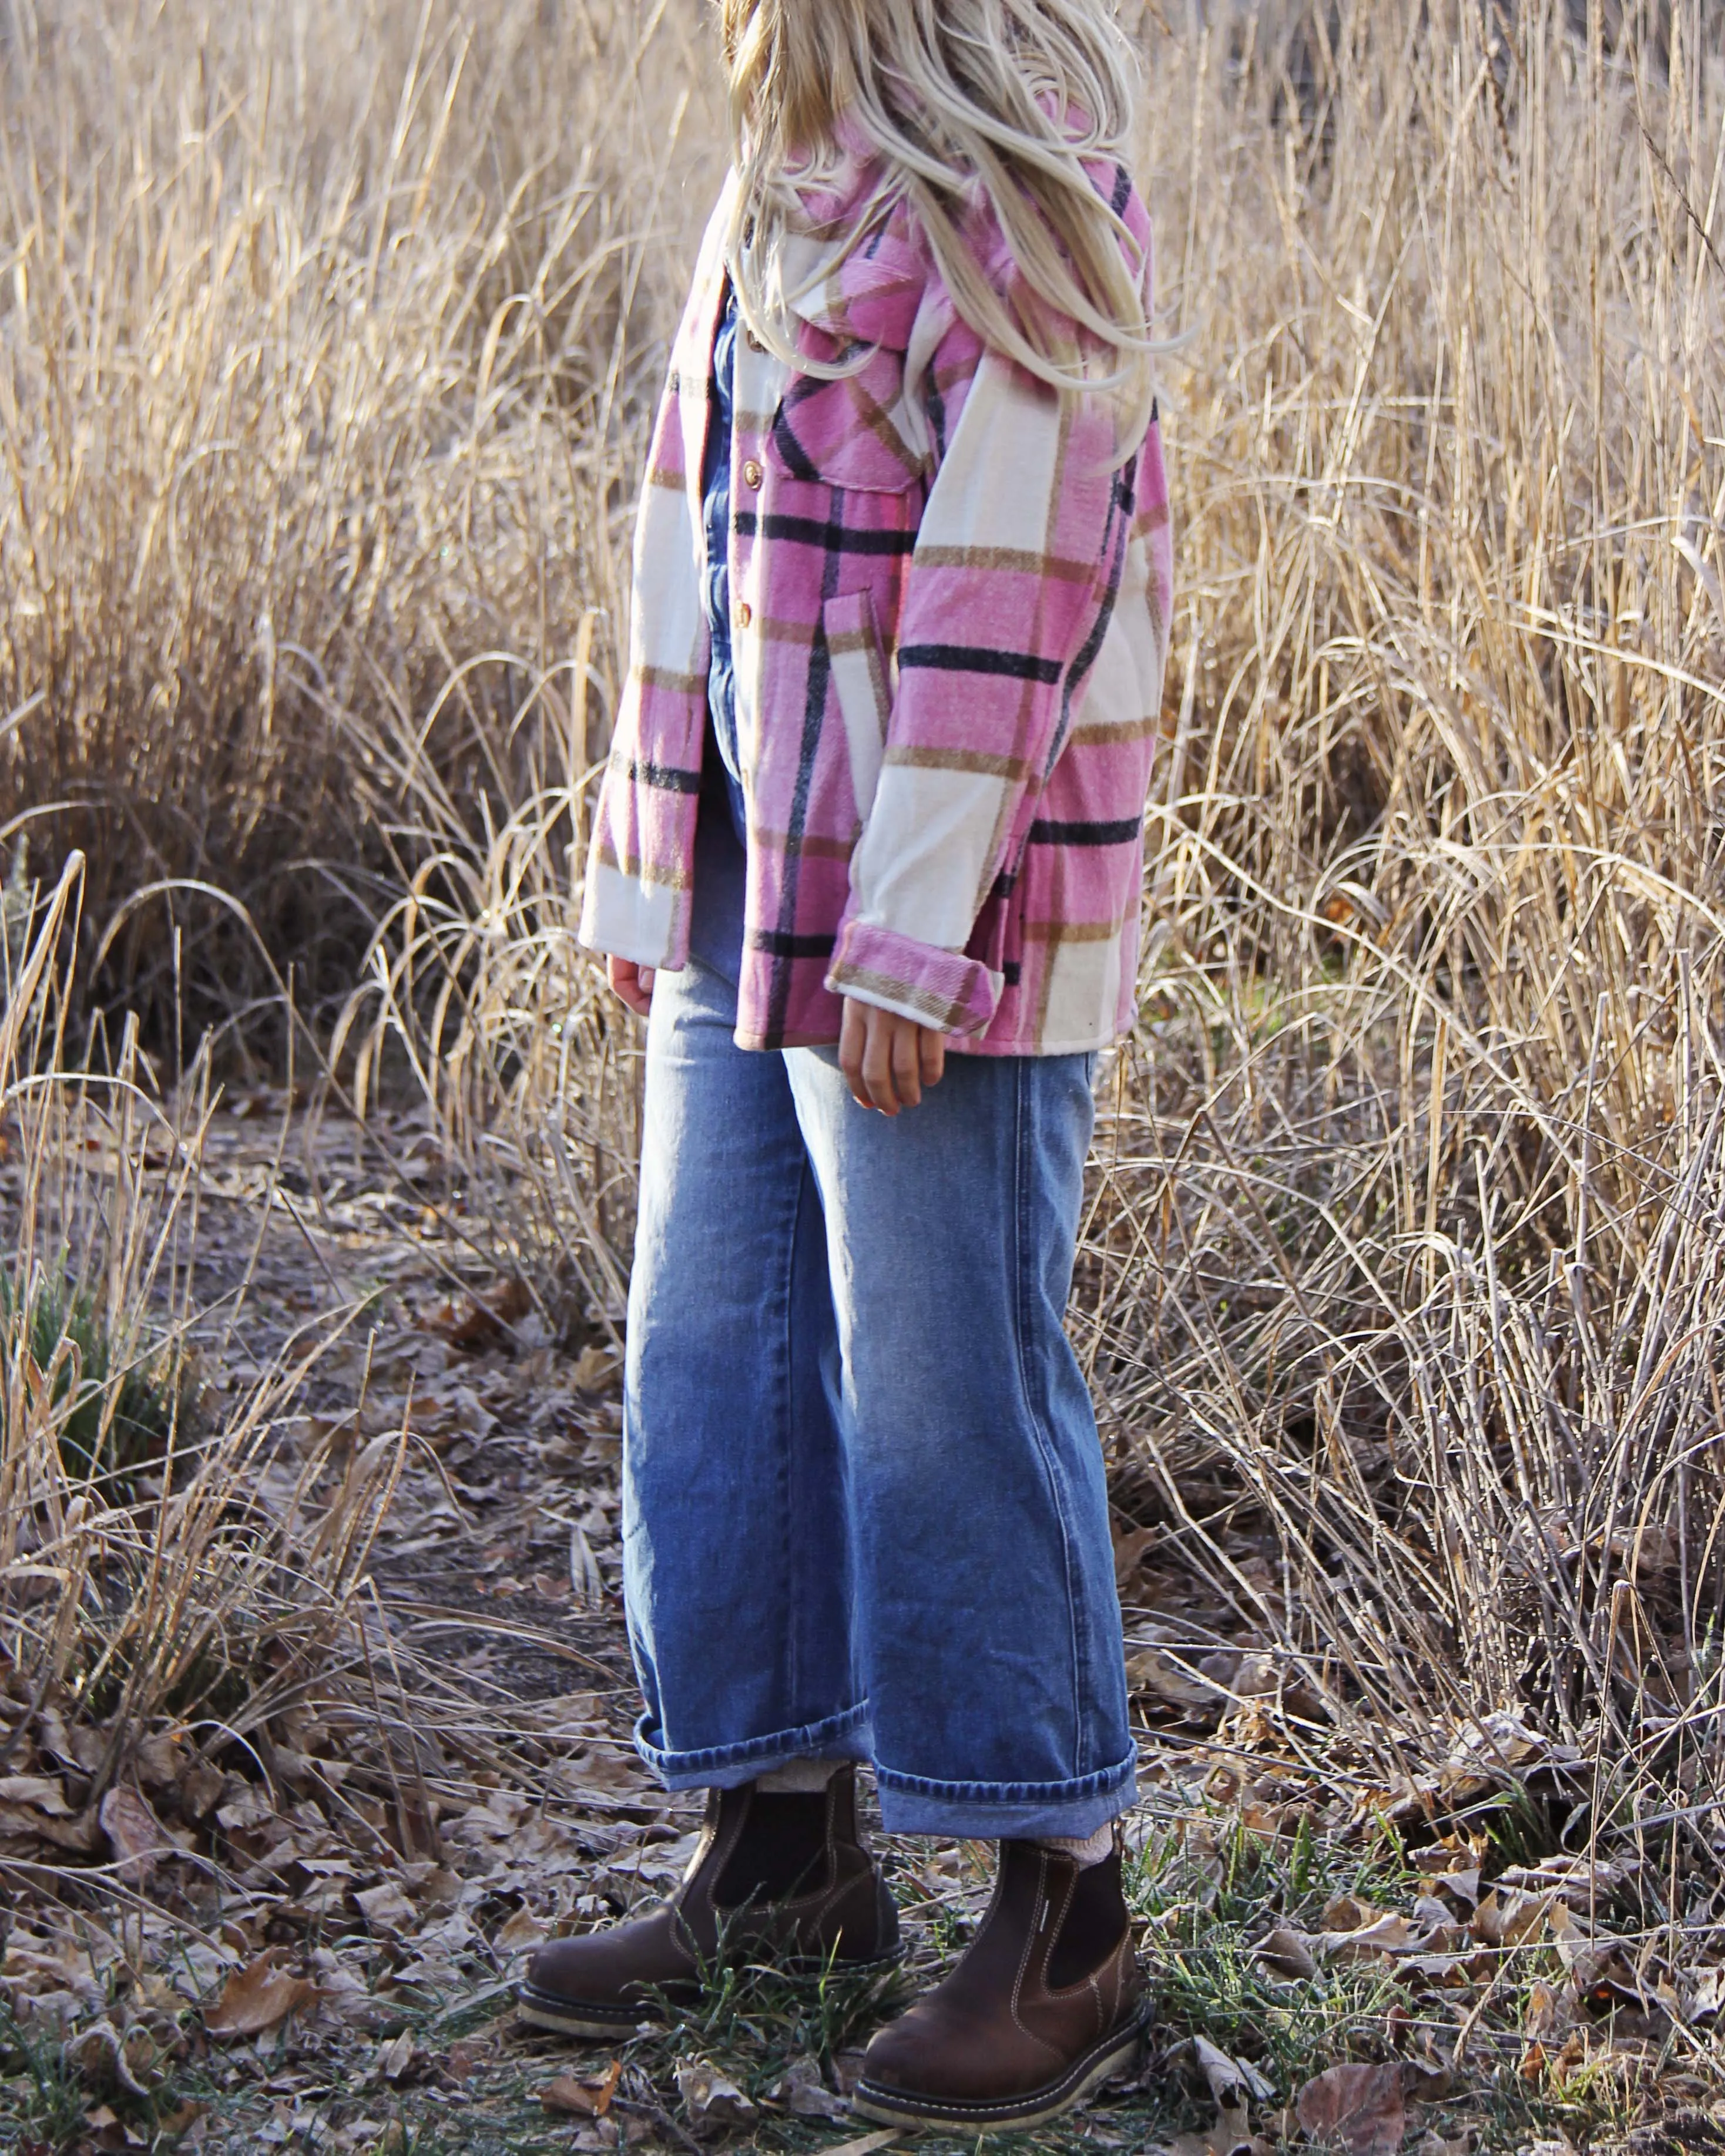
point(633, 982)
point(888, 1059)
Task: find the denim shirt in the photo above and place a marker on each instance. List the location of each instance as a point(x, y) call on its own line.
point(716, 594)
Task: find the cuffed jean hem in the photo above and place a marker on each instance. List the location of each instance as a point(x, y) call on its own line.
point(847, 1736)
point(1001, 1811)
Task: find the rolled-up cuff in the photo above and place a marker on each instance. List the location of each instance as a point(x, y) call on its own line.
point(998, 1811)
point(940, 988)
point(846, 1735)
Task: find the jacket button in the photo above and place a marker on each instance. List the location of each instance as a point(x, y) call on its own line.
point(752, 341)
point(745, 615)
point(751, 474)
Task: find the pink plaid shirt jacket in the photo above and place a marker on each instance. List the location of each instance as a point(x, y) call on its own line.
point(950, 602)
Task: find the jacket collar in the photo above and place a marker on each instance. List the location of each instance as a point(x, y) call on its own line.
point(858, 292)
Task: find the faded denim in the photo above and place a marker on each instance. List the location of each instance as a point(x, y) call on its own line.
point(864, 1513)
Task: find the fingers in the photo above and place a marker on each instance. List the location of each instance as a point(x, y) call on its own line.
point(907, 1060)
point(877, 1062)
point(633, 983)
point(888, 1061)
point(853, 1040)
point(866, 1056)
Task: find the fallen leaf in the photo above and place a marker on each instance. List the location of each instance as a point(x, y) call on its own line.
point(805, 2094)
point(1362, 2107)
point(200, 1791)
point(524, 1929)
point(487, 1321)
point(1287, 1952)
point(1440, 1968)
point(156, 1761)
point(1544, 2012)
point(710, 2098)
point(865, 2144)
point(1230, 2135)
point(396, 2056)
point(103, 2059)
point(1508, 1917)
point(1707, 1993)
point(257, 1998)
point(1461, 1885)
point(1257, 1677)
point(1390, 1934)
point(386, 1909)
point(583, 2099)
point(1153, 1673)
point(248, 1805)
point(1129, 1550)
point(42, 1793)
point(1580, 1877)
point(137, 1838)
point(1232, 2082)
point(82, 1834)
point(1569, 1935)
point(847, 2070)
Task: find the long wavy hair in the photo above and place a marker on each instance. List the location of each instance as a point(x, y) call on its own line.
point(948, 97)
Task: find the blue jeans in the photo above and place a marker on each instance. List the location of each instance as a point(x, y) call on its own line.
point(864, 1514)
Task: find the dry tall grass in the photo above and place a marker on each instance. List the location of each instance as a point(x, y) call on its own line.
point(1409, 1240)
point(168, 1567)
point(324, 333)
point(1403, 1267)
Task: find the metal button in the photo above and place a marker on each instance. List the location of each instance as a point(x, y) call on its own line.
point(751, 474)
point(752, 341)
point(745, 615)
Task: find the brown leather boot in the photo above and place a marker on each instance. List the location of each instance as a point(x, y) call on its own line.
point(784, 1874)
point(1047, 2003)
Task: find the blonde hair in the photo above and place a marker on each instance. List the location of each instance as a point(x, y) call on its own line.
point(1007, 95)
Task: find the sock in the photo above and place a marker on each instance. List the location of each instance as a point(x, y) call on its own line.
point(1085, 1849)
point(798, 1778)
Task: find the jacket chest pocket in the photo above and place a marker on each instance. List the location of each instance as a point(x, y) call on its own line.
point(861, 433)
point(862, 689)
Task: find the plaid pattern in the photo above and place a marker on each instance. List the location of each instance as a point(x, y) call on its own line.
point(950, 624)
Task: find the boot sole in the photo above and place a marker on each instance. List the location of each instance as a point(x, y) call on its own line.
point(574, 2017)
point(1036, 2107)
point(578, 2017)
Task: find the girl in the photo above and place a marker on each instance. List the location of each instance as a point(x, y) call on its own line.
point(869, 853)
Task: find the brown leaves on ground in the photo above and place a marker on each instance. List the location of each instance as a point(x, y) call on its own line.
point(257, 1998)
point(1234, 2085)
point(1286, 1953)
point(1230, 2135)
point(487, 1321)
point(710, 2099)
point(583, 2099)
point(1454, 1935)
point(1365, 2108)
point(137, 1838)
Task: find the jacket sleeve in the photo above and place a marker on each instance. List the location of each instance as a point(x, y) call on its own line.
point(635, 897)
point(1008, 580)
point(635, 893)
